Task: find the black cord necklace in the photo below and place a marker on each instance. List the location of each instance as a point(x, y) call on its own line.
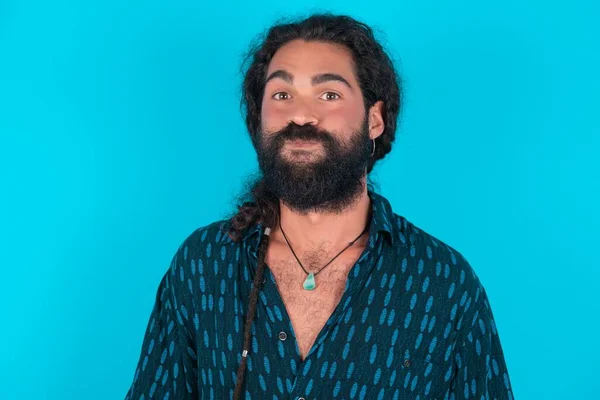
point(309, 282)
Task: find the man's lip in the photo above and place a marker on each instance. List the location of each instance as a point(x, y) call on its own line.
point(304, 142)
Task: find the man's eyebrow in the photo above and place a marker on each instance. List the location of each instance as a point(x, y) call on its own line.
point(317, 79)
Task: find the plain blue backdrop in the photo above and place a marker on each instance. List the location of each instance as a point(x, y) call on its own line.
point(120, 134)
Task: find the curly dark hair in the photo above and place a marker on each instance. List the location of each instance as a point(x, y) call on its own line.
point(378, 80)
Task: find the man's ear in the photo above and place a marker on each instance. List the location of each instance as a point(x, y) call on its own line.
point(376, 124)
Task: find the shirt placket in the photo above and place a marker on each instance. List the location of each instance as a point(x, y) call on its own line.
point(277, 339)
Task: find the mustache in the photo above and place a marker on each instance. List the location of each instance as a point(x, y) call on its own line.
point(307, 132)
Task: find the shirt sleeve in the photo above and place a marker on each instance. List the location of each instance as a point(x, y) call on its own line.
point(481, 369)
point(166, 367)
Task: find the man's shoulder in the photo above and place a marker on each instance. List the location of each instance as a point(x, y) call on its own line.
point(444, 275)
point(435, 257)
point(202, 252)
point(205, 240)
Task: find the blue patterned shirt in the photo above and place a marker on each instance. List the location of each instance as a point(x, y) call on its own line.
point(414, 322)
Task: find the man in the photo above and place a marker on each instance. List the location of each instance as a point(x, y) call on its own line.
point(315, 288)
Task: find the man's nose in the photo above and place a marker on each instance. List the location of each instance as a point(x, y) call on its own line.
point(303, 113)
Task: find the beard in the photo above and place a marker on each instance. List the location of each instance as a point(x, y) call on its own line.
point(323, 178)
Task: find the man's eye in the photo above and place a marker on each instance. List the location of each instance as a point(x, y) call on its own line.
point(331, 96)
point(281, 96)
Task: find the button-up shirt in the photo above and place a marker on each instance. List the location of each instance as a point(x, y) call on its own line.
point(414, 322)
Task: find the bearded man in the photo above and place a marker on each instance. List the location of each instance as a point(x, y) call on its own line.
point(315, 288)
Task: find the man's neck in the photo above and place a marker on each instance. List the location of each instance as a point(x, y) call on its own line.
point(320, 228)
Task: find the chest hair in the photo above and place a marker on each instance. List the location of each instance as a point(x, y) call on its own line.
point(310, 310)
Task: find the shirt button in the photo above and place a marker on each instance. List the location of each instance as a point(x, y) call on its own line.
point(301, 398)
point(264, 280)
point(407, 363)
point(282, 337)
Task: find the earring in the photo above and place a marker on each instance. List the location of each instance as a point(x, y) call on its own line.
point(373, 152)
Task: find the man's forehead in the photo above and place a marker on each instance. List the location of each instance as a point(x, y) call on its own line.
point(306, 59)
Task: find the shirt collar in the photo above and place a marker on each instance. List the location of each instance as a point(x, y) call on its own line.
point(382, 220)
point(382, 217)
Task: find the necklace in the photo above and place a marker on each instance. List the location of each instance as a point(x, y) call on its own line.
point(309, 282)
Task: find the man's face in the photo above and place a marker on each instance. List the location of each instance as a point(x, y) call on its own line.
point(314, 142)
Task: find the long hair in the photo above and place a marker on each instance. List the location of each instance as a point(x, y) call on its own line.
point(377, 79)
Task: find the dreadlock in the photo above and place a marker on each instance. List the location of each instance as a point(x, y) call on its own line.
point(262, 249)
point(377, 79)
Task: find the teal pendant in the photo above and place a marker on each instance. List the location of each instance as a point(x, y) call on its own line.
point(309, 282)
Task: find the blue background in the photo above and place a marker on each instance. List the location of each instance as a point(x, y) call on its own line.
point(121, 134)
